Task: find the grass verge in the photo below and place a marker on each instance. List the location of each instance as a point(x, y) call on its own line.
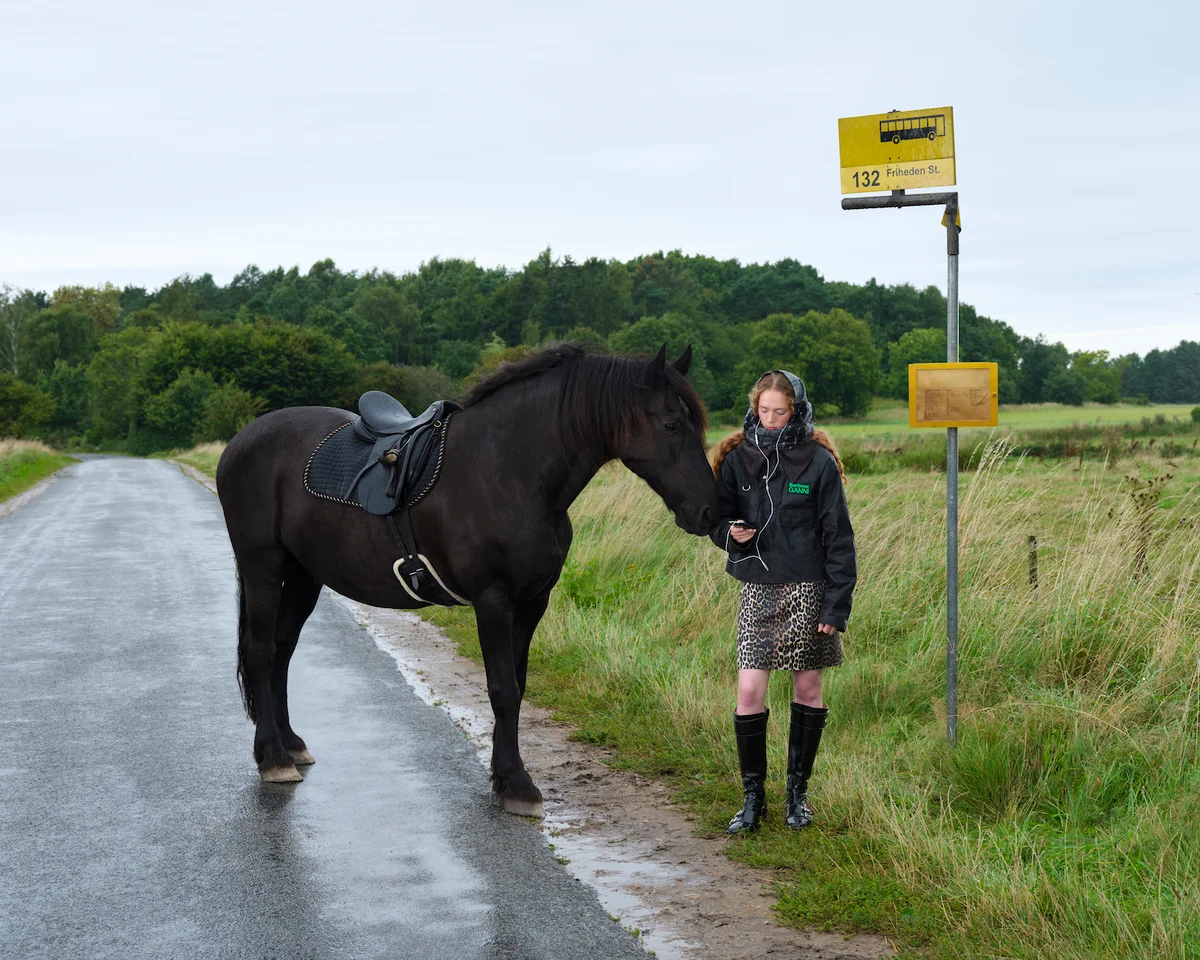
point(24, 463)
point(204, 457)
point(1061, 826)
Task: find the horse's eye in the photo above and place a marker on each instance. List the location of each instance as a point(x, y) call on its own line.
point(672, 427)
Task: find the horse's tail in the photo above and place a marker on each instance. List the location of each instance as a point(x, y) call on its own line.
point(244, 650)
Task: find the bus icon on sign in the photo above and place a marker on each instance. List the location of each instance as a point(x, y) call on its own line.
point(914, 128)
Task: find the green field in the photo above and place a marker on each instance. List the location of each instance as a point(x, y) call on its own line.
point(23, 463)
point(890, 417)
point(883, 442)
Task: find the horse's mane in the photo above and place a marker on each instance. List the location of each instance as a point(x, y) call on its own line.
point(602, 394)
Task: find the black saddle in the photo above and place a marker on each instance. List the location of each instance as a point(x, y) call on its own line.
point(386, 461)
point(383, 460)
point(382, 415)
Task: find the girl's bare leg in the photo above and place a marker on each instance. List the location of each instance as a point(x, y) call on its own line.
point(806, 688)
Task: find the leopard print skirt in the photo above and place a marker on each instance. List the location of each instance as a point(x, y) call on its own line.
point(777, 628)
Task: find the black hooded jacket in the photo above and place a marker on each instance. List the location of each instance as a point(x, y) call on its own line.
point(800, 513)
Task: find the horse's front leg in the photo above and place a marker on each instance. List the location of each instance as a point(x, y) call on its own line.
point(524, 625)
point(496, 619)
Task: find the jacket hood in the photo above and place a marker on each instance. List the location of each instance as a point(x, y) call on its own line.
point(801, 419)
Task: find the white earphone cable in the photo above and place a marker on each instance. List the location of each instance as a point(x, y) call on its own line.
point(757, 555)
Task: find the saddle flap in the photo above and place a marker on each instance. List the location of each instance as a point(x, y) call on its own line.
point(385, 472)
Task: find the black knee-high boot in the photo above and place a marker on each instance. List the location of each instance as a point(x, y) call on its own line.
point(804, 738)
point(751, 734)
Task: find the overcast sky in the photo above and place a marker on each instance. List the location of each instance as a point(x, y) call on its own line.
point(143, 140)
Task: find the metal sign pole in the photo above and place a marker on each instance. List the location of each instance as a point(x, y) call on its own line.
point(899, 198)
point(952, 231)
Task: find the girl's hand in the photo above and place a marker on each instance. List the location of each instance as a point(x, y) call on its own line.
point(826, 628)
point(742, 534)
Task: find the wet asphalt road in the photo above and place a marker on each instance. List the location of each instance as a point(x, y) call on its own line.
point(132, 820)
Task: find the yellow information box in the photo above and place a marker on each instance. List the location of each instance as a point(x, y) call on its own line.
point(953, 395)
point(898, 150)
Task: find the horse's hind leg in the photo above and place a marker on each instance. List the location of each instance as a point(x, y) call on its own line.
point(300, 592)
point(262, 591)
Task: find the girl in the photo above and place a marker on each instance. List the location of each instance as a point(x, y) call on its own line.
point(784, 523)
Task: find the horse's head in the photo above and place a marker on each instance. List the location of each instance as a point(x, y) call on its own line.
point(667, 451)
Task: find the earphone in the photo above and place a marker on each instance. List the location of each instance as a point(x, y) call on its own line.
point(771, 507)
point(799, 398)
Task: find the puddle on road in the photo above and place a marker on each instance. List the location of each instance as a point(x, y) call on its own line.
point(617, 874)
point(617, 869)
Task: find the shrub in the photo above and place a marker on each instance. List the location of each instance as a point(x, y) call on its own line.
point(425, 384)
point(923, 345)
point(287, 366)
point(1067, 386)
point(1114, 445)
point(493, 360)
point(68, 385)
point(226, 411)
point(857, 461)
point(415, 387)
point(176, 411)
point(24, 409)
point(457, 358)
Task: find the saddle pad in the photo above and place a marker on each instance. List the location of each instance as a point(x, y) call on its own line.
point(341, 457)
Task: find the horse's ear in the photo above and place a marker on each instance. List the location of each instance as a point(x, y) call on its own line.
point(684, 362)
point(659, 364)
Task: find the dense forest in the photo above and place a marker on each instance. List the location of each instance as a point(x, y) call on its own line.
point(136, 370)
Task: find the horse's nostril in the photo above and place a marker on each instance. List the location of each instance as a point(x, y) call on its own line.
point(706, 518)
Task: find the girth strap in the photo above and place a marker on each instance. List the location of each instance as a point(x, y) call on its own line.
point(414, 571)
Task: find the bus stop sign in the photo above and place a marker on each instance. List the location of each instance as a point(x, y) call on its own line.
point(898, 150)
point(953, 394)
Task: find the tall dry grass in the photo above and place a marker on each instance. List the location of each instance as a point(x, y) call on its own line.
point(1063, 823)
point(203, 457)
point(10, 446)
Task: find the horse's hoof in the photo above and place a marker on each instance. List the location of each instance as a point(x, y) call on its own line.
point(302, 758)
point(523, 808)
point(280, 775)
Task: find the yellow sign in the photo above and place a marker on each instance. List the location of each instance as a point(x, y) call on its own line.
point(953, 394)
point(898, 150)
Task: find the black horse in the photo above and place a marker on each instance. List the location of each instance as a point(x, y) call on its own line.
point(495, 527)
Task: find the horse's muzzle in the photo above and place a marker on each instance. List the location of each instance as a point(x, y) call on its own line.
point(697, 522)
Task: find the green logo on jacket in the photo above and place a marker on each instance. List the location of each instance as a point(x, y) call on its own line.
point(798, 488)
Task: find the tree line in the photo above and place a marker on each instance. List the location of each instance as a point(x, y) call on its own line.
point(142, 370)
